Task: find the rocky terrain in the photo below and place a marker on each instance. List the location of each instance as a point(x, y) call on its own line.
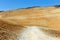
point(13, 22)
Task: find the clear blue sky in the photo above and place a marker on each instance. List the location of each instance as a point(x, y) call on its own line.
point(14, 4)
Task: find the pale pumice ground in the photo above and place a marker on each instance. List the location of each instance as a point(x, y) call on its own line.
point(34, 33)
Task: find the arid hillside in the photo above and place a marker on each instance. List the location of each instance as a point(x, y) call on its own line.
point(32, 23)
point(48, 17)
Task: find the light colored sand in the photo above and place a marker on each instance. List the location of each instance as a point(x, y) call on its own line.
point(34, 33)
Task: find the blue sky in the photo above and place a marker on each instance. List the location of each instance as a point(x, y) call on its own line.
point(14, 4)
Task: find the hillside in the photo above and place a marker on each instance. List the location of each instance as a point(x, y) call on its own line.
point(34, 16)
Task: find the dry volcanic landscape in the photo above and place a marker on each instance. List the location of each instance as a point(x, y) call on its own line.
point(32, 23)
